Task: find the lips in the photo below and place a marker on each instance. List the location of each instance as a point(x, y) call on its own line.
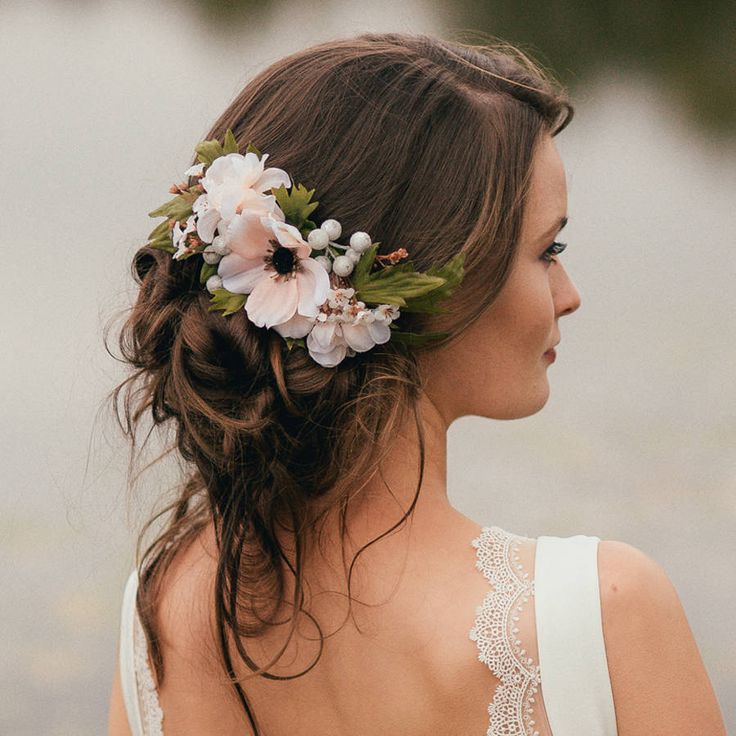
point(551, 355)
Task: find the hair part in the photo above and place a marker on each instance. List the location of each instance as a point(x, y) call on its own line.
point(424, 143)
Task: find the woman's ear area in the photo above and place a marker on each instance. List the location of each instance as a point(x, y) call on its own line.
point(433, 366)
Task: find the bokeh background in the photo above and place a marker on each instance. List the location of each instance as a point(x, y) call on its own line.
point(102, 103)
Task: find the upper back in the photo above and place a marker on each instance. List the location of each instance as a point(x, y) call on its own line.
point(450, 651)
point(402, 663)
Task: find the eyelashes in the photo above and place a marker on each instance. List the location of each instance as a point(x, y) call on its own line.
point(554, 250)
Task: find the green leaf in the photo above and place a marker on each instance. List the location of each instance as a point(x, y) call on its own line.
point(396, 285)
point(230, 145)
point(207, 270)
point(160, 237)
point(161, 241)
point(227, 301)
point(387, 272)
point(307, 228)
point(363, 266)
point(250, 148)
point(296, 204)
point(178, 208)
point(166, 245)
point(298, 341)
point(208, 151)
point(452, 273)
point(161, 231)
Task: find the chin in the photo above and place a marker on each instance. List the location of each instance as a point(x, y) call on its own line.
point(518, 407)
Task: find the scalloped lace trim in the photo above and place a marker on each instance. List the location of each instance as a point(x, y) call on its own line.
point(495, 632)
point(151, 714)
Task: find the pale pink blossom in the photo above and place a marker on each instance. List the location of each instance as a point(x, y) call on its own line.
point(355, 330)
point(325, 343)
point(233, 183)
point(269, 260)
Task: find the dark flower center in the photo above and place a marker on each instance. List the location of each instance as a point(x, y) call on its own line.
point(283, 260)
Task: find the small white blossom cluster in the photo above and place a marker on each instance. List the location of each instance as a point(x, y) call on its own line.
point(345, 326)
point(258, 253)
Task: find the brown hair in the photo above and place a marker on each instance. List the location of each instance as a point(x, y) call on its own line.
point(423, 143)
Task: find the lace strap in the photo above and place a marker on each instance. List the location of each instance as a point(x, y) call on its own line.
point(495, 632)
point(145, 716)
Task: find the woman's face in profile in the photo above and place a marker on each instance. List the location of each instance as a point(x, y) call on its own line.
point(502, 359)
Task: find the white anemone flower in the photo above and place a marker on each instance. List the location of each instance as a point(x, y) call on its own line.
point(233, 183)
point(269, 260)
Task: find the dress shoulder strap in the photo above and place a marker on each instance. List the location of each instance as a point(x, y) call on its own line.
point(145, 717)
point(572, 653)
point(127, 656)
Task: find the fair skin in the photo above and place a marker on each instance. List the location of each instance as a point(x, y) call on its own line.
point(407, 666)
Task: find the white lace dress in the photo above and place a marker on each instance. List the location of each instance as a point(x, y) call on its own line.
point(548, 656)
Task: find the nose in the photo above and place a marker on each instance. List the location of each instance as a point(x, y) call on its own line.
point(566, 295)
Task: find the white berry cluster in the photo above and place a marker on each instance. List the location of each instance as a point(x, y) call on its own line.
point(344, 325)
point(328, 232)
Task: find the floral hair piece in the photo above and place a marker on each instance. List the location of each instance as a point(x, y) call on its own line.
point(263, 254)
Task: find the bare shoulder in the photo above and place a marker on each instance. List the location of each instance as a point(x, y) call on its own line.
point(184, 617)
point(659, 682)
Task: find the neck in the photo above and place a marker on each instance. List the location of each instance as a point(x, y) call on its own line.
point(393, 488)
point(387, 496)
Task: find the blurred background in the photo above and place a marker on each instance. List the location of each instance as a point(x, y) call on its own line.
point(102, 104)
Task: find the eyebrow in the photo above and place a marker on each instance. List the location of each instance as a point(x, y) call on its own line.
point(555, 228)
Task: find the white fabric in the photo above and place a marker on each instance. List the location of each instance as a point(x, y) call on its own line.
point(572, 654)
point(127, 656)
point(145, 716)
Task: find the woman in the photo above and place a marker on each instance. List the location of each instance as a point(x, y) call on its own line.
point(312, 576)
